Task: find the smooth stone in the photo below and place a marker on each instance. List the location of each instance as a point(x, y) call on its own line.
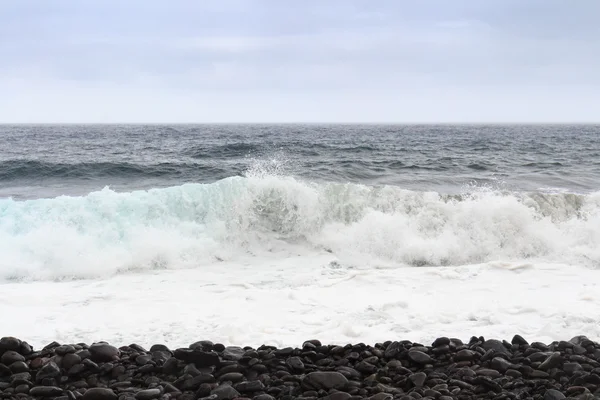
point(553, 361)
point(202, 359)
point(495, 345)
point(99, 394)
point(325, 380)
point(519, 340)
point(233, 353)
point(64, 349)
point(572, 367)
point(465, 355)
point(50, 370)
point(159, 347)
point(335, 396)
point(9, 343)
point(491, 373)
point(18, 366)
point(143, 359)
point(393, 350)
point(23, 388)
point(10, 357)
point(250, 386)
point(381, 396)
point(553, 394)
point(102, 352)
point(500, 364)
point(148, 394)
point(418, 379)
point(225, 392)
point(45, 391)
point(264, 397)
point(69, 360)
point(232, 376)
point(295, 363)
point(419, 357)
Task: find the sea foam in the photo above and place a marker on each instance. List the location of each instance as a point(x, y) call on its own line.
point(242, 218)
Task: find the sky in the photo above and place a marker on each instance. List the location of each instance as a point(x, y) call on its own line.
point(400, 61)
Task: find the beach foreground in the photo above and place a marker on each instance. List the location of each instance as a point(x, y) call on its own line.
point(447, 369)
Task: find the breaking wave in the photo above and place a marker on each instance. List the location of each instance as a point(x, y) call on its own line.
point(188, 226)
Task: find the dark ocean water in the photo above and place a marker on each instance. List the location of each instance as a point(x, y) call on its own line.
point(50, 160)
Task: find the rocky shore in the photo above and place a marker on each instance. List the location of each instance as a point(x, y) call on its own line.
point(446, 369)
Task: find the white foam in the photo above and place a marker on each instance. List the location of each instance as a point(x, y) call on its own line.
point(236, 219)
point(284, 301)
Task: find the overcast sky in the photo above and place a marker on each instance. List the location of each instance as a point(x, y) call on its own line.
point(299, 61)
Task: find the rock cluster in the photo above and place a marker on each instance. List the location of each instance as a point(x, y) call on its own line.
point(447, 369)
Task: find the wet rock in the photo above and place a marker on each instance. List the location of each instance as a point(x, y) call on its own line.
point(148, 394)
point(9, 343)
point(495, 345)
point(99, 394)
point(10, 357)
point(202, 359)
point(250, 387)
point(554, 360)
point(102, 352)
point(418, 379)
point(45, 391)
point(553, 394)
point(325, 380)
point(233, 353)
point(465, 355)
point(48, 371)
point(419, 357)
point(225, 392)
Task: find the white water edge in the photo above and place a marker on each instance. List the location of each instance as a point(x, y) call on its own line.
point(284, 301)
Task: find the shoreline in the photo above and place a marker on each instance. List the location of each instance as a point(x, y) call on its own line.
point(446, 369)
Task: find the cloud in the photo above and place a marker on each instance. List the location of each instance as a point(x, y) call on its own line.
point(235, 61)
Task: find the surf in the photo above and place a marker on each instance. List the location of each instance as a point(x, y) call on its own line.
point(242, 218)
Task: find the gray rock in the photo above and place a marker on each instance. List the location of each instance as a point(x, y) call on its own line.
point(571, 367)
point(45, 391)
point(419, 357)
point(10, 357)
point(202, 359)
point(418, 379)
point(267, 397)
point(495, 345)
point(553, 394)
point(393, 350)
point(325, 380)
point(69, 360)
point(335, 396)
point(18, 366)
point(465, 355)
point(553, 361)
point(492, 373)
point(381, 396)
point(233, 353)
point(225, 392)
point(9, 343)
point(500, 364)
point(50, 370)
point(102, 352)
point(148, 394)
point(99, 394)
point(295, 363)
point(232, 376)
point(64, 349)
point(250, 387)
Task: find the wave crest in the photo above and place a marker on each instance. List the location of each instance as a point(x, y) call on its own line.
point(188, 226)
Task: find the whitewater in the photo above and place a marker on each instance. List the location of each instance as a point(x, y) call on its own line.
point(268, 258)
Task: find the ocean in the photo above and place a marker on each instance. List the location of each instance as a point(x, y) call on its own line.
point(252, 234)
